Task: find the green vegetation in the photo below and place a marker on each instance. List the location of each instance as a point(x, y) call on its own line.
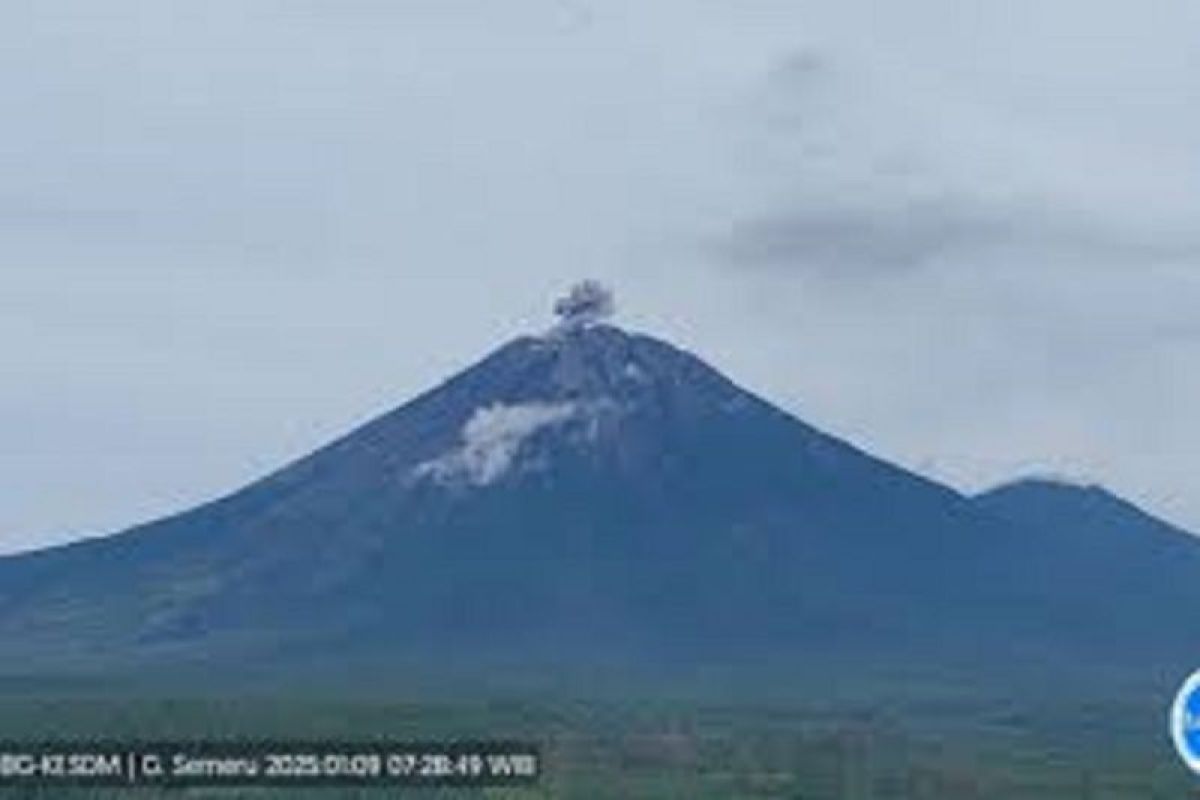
point(672, 749)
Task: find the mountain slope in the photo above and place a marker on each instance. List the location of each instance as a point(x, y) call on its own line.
point(1105, 563)
point(589, 496)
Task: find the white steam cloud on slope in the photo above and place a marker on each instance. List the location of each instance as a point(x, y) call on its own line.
point(491, 440)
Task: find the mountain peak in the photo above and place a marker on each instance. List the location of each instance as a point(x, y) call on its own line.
point(594, 491)
point(586, 387)
point(1047, 484)
point(1066, 502)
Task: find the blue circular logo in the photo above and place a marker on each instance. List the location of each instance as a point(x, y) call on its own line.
point(1185, 722)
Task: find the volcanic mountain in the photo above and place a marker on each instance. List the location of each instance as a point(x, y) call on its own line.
point(594, 496)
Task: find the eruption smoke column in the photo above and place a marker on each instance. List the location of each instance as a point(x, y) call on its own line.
point(588, 303)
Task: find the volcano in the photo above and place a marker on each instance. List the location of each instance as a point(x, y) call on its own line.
point(595, 496)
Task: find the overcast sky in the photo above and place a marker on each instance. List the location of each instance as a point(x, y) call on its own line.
point(962, 235)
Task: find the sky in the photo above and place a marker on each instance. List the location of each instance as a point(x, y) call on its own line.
point(961, 235)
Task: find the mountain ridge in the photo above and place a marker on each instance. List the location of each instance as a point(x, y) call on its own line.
point(573, 498)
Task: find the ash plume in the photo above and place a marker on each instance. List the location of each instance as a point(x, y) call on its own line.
point(587, 303)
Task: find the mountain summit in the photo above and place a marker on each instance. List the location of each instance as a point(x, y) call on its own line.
point(581, 497)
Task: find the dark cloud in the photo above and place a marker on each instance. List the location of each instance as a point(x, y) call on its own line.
point(896, 239)
point(869, 167)
point(863, 239)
